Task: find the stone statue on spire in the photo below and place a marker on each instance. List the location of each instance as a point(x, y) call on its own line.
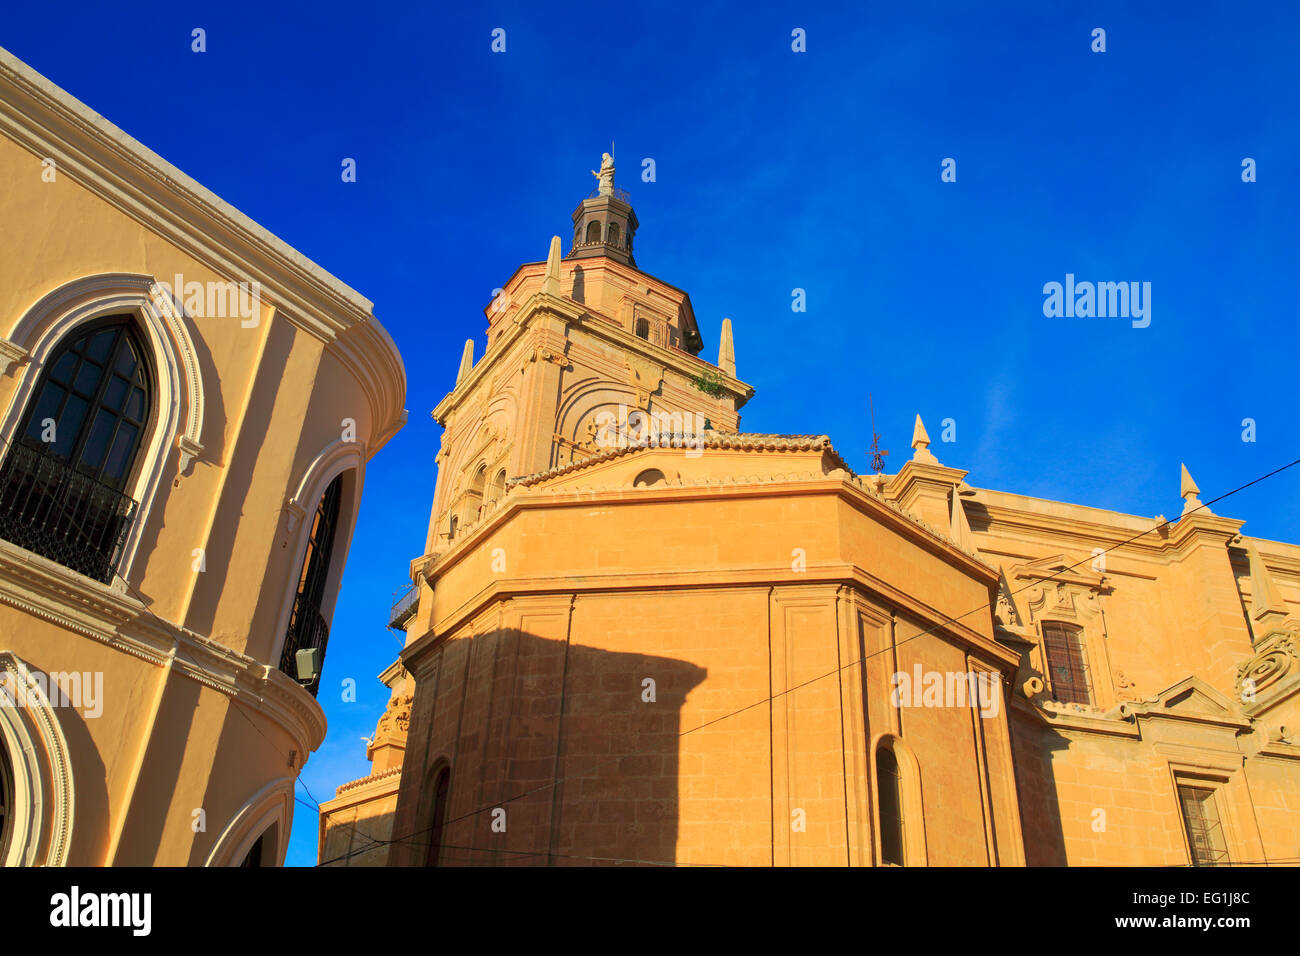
point(606, 175)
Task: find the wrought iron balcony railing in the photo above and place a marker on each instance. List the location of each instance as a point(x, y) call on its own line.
point(404, 608)
point(49, 508)
point(620, 194)
point(307, 629)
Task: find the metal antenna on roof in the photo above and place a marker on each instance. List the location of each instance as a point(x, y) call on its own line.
point(877, 453)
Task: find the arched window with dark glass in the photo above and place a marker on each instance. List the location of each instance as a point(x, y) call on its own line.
point(254, 855)
point(438, 815)
point(6, 801)
point(889, 803)
point(64, 478)
point(593, 231)
point(307, 628)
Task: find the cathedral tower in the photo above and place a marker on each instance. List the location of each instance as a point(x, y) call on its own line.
point(583, 351)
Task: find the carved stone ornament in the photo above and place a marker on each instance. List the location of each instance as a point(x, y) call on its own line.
point(542, 353)
point(396, 719)
point(1124, 688)
point(1279, 655)
point(1059, 600)
point(1005, 610)
point(11, 355)
point(645, 379)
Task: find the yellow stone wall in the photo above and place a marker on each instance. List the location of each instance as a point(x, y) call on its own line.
point(780, 595)
point(196, 715)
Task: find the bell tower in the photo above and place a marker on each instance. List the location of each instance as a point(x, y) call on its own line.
point(604, 223)
point(573, 342)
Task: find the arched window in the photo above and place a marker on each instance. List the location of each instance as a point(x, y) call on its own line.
point(62, 485)
point(643, 328)
point(254, 855)
point(593, 231)
point(307, 627)
point(889, 803)
point(498, 488)
point(611, 234)
point(6, 800)
point(473, 503)
point(438, 815)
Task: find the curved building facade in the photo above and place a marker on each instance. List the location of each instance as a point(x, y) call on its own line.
point(187, 410)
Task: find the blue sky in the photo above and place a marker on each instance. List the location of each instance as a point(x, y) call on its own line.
point(775, 170)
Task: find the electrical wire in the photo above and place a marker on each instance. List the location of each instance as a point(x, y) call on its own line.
point(838, 670)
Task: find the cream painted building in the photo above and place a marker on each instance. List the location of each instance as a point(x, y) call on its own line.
point(188, 409)
point(640, 635)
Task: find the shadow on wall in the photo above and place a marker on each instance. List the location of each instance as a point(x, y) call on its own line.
point(557, 754)
point(144, 838)
point(1040, 805)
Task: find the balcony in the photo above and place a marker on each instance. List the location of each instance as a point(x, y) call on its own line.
point(620, 194)
point(307, 629)
point(51, 509)
point(404, 608)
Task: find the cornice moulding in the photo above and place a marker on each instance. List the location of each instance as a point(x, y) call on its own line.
point(574, 313)
point(92, 151)
point(757, 578)
point(98, 612)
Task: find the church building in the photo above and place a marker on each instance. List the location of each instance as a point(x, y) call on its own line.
point(638, 635)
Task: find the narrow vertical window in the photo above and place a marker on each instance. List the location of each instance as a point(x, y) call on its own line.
point(307, 628)
point(889, 800)
point(474, 495)
point(643, 328)
point(1204, 829)
point(438, 818)
point(1067, 664)
point(498, 487)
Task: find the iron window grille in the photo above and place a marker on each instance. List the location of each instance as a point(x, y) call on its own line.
point(307, 627)
point(1204, 830)
point(63, 478)
point(1067, 663)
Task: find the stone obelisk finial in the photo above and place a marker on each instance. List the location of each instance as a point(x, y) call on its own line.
point(959, 526)
point(1189, 491)
point(466, 361)
point(726, 350)
point(551, 283)
point(1268, 608)
point(921, 444)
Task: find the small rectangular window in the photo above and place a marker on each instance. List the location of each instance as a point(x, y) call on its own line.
point(1067, 664)
point(1204, 829)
